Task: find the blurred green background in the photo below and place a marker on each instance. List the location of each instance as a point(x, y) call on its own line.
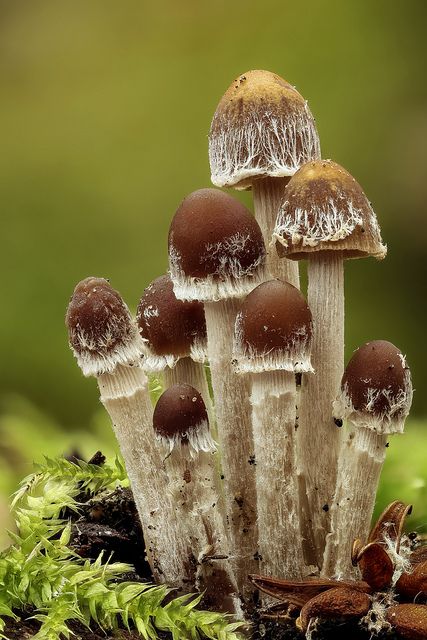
point(104, 113)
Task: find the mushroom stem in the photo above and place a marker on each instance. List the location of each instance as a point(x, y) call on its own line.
point(193, 484)
point(192, 373)
point(361, 459)
point(233, 419)
point(268, 196)
point(124, 393)
point(273, 402)
point(318, 437)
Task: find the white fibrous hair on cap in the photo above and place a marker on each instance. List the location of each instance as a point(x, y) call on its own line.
point(266, 144)
point(94, 354)
point(328, 223)
point(230, 280)
point(390, 420)
point(295, 358)
point(196, 439)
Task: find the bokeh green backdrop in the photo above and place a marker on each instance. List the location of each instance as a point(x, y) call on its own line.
point(104, 112)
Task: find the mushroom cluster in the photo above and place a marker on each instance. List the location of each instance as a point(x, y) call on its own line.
point(262, 455)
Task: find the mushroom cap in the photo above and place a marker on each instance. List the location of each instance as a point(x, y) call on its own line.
point(216, 249)
point(376, 388)
point(325, 209)
point(180, 418)
point(102, 333)
point(261, 127)
point(273, 330)
point(172, 328)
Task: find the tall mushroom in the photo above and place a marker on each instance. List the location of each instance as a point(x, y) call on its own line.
point(325, 218)
point(261, 133)
point(181, 423)
point(375, 398)
point(106, 343)
point(174, 332)
point(217, 256)
point(272, 343)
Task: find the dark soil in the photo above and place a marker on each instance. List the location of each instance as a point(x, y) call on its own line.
point(109, 523)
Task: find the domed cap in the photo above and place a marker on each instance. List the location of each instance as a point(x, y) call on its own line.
point(273, 330)
point(325, 209)
point(216, 249)
point(261, 127)
point(180, 419)
point(101, 330)
point(172, 328)
point(376, 388)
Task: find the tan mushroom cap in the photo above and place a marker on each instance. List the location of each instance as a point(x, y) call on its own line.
point(325, 209)
point(261, 127)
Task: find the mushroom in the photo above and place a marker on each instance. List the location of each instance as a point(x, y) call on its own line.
point(217, 255)
point(261, 133)
point(181, 424)
point(375, 398)
point(174, 332)
point(106, 343)
point(272, 343)
point(325, 218)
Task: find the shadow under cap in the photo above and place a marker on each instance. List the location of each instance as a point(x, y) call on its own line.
point(325, 209)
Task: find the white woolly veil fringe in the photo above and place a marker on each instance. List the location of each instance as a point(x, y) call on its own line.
point(95, 358)
point(231, 279)
point(391, 420)
point(267, 144)
point(196, 439)
point(325, 223)
point(295, 359)
point(153, 363)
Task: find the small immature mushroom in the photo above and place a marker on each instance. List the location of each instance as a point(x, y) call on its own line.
point(261, 133)
point(106, 343)
point(409, 620)
point(325, 218)
point(376, 395)
point(272, 342)
point(217, 255)
point(174, 332)
point(181, 424)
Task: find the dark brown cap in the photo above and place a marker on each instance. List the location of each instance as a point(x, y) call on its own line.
point(261, 127)
point(273, 330)
point(216, 249)
point(172, 328)
point(180, 418)
point(101, 331)
point(376, 388)
point(325, 209)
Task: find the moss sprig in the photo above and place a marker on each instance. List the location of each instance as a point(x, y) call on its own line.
point(41, 573)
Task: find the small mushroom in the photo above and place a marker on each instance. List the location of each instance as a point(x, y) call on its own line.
point(409, 620)
point(174, 332)
point(181, 424)
point(106, 342)
point(261, 133)
point(375, 398)
point(325, 218)
point(217, 256)
point(272, 342)
point(340, 604)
